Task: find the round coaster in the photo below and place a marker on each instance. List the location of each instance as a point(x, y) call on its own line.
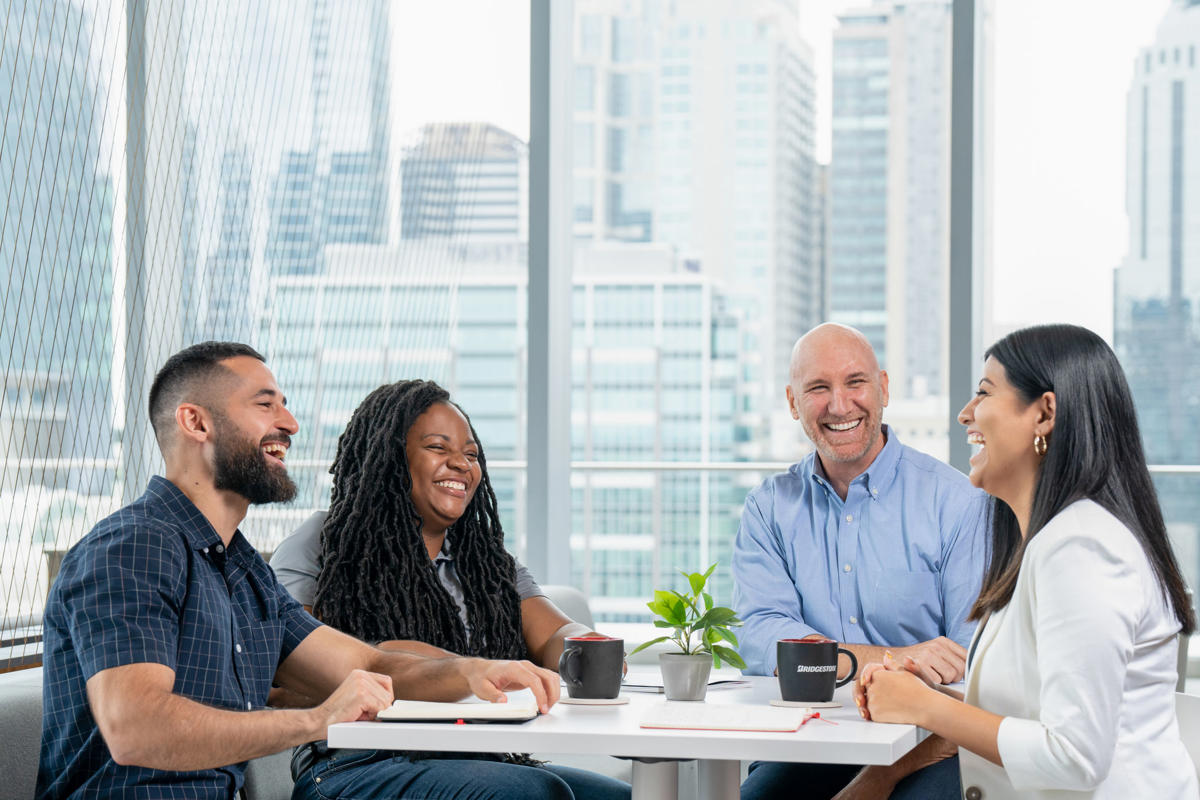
point(802, 704)
point(594, 701)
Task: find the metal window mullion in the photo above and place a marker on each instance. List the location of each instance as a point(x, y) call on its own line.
point(548, 420)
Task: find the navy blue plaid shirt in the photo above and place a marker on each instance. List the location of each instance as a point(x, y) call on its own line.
point(153, 583)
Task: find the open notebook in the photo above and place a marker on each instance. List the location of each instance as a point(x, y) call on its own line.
point(419, 711)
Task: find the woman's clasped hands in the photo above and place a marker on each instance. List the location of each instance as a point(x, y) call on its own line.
point(894, 691)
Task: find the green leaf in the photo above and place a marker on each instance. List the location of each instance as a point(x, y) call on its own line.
point(662, 623)
point(729, 656)
point(725, 634)
point(678, 613)
point(716, 616)
point(664, 598)
point(644, 645)
point(710, 570)
point(697, 581)
point(708, 601)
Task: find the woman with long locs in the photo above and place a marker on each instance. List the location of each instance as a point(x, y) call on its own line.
point(411, 555)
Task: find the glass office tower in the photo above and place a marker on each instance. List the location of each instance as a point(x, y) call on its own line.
point(1156, 328)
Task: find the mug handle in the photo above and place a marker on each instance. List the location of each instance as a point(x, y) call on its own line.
point(569, 657)
point(853, 668)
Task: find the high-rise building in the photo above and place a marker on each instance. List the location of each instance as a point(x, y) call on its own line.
point(54, 254)
point(1156, 328)
point(654, 378)
point(890, 186)
point(335, 190)
point(694, 128)
point(465, 181)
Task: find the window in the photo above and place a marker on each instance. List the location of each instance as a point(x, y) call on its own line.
point(323, 204)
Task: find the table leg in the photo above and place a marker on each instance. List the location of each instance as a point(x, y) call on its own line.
point(719, 780)
point(655, 780)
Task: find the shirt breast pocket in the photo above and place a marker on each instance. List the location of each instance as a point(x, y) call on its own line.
point(909, 597)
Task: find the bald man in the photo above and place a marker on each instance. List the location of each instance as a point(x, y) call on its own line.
point(865, 541)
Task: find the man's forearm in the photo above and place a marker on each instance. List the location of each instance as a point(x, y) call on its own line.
point(880, 781)
point(865, 653)
point(175, 733)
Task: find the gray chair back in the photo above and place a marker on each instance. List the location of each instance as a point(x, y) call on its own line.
point(269, 777)
point(1187, 713)
point(20, 731)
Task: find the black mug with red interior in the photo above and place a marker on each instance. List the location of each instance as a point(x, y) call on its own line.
point(808, 669)
point(592, 666)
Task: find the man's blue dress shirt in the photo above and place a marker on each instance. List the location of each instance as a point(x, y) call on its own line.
point(900, 561)
point(154, 583)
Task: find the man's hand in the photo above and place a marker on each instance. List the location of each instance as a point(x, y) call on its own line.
point(939, 660)
point(360, 697)
point(489, 680)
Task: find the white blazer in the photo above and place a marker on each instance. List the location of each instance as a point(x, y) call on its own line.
point(1081, 664)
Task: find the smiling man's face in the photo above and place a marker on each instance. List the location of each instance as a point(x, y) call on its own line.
point(252, 435)
point(838, 393)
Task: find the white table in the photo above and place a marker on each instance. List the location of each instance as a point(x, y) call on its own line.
point(614, 730)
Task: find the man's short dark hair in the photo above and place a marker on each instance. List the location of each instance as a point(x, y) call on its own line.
point(179, 377)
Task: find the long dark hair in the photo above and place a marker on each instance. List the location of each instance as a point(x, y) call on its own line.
point(376, 580)
point(1095, 453)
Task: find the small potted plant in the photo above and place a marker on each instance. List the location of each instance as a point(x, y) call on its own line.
point(699, 628)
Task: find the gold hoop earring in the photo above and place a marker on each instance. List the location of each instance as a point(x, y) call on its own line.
point(1040, 445)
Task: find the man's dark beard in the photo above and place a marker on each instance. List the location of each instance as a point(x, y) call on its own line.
point(241, 466)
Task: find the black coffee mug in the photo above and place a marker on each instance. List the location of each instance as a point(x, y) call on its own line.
point(808, 669)
point(592, 666)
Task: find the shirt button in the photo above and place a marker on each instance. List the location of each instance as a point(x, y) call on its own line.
point(248, 706)
point(854, 620)
point(206, 551)
point(974, 793)
point(845, 567)
point(220, 548)
point(849, 518)
point(237, 648)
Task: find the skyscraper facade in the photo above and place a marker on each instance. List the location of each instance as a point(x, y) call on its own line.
point(465, 181)
point(335, 190)
point(55, 241)
point(1156, 328)
point(890, 186)
point(694, 128)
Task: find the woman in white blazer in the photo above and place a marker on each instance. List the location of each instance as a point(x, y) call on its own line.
point(1071, 675)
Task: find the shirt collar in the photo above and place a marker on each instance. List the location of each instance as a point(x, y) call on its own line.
point(197, 530)
point(878, 476)
point(444, 554)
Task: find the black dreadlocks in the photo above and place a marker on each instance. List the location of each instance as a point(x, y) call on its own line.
point(376, 580)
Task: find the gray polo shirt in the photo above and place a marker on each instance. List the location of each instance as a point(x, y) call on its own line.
point(295, 564)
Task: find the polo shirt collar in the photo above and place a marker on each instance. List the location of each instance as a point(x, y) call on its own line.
point(877, 477)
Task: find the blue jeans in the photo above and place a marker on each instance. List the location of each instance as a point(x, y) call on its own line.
point(771, 780)
point(382, 775)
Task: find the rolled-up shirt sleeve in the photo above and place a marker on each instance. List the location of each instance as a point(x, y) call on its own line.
point(765, 596)
point(1087, 602)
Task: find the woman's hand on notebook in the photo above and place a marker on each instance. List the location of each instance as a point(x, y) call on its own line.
point(489, 680)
